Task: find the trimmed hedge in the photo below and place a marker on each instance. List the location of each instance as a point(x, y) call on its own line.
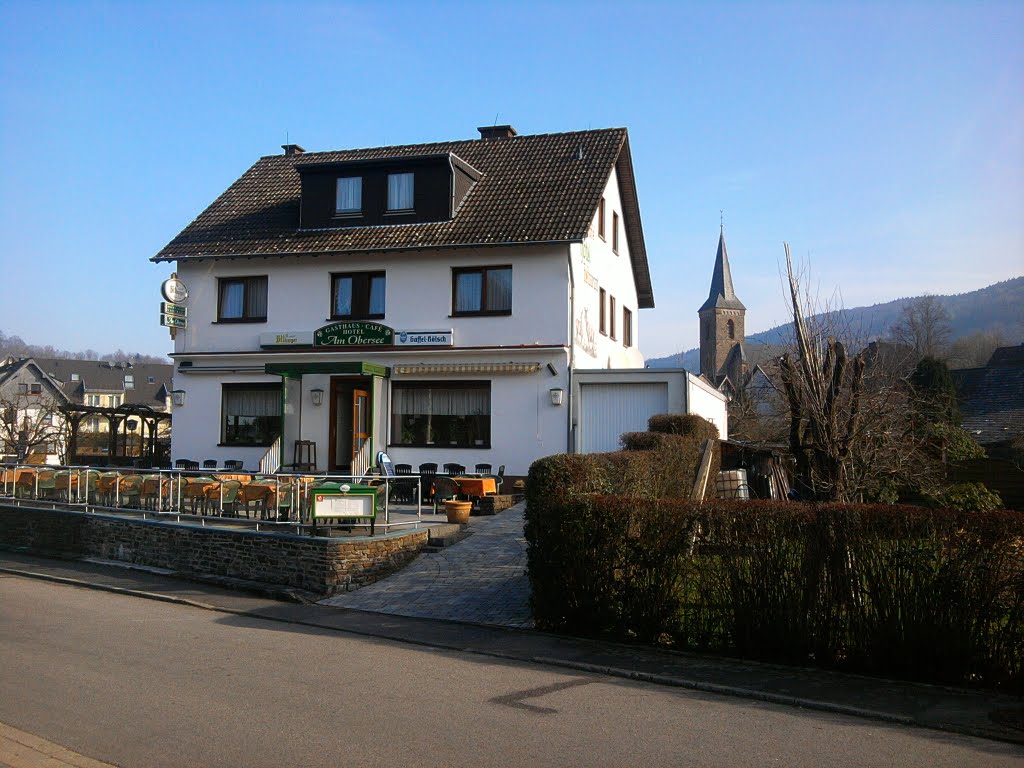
point(924, 594)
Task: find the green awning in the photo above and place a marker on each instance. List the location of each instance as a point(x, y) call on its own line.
point(297, 370)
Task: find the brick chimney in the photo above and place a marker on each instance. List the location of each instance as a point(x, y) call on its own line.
point(292, 149)
point(497, 132)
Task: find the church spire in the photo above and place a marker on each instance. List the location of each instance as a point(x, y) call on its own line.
point(721, 295)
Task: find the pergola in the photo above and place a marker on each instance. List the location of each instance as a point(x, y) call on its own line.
point(117, 418)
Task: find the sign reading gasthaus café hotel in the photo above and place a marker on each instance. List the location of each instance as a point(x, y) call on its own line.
point(430, 300)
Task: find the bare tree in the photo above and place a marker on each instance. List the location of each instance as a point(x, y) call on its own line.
point(924, 326)
point(975, 350)
point(31, 424)
point(851, 430)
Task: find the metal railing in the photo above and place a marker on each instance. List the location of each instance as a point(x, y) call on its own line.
point(214, 496)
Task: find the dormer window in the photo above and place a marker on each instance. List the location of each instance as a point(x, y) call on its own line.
point(349, 198)
point(400, 191)
point(371, 192)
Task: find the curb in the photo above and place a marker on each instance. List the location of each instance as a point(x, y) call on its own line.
point(618, 672)
point(108, 588)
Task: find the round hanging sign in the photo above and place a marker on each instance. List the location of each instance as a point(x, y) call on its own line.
point(174, 290)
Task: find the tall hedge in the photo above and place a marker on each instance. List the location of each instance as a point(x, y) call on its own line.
point(925, 594)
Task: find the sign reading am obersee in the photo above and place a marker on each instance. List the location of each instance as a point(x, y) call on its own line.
point(354, 333)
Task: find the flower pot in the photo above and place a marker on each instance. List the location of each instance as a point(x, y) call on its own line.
point(458, 511)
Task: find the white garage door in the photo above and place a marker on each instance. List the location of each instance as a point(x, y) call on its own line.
point(608, 410)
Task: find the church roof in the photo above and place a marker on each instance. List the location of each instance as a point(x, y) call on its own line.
point(721, 295)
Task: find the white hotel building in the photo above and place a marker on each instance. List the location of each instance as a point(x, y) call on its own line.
point(437, 301)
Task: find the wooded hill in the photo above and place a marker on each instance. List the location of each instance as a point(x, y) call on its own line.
point(980, 321)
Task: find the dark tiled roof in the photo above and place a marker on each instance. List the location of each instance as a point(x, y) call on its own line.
point(97, 376)
point(721, 295)
point(992, 398)
point(534, 189)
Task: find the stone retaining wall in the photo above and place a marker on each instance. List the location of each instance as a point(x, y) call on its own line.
point(321, 565)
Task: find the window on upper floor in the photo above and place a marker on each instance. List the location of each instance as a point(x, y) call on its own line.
point(76, 377)
point(600, 219)
point(23, 389)
point(36, 389)
point(250, 414)
point(129, 381)
point(627, 327)
point(400, 190)
point(242, 299)
point(450, 414)
point(611, 317)
point(482, 291)
point(357, 295)
point(349, 196)
point(602, 324)
point(615, 231)
point(731, 328)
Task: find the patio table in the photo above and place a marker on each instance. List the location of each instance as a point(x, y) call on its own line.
point(476, 486)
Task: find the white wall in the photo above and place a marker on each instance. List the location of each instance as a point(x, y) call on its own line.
point(418, 296)
point(684, 393)
point(524, 423)
point(596, 266)
point(706, 401)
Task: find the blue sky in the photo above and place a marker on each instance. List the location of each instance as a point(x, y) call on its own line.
point(884, 142)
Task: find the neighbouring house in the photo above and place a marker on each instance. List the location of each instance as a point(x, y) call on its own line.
point(991, 401)
point(62, 410)
point(434, 300)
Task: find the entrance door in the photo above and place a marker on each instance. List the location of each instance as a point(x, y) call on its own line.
point(351, 425)
point(361, 444)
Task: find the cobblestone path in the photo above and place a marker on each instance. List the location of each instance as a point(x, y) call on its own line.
point(482, 579)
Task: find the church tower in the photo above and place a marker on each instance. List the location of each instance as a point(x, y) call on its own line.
point(722, 341)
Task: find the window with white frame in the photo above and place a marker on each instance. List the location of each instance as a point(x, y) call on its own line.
point(251, 414)
point(349, 197)
point(451, 414)
point(400, 191)
point(129, 381)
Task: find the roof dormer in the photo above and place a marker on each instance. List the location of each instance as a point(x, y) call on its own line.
point(394, 190)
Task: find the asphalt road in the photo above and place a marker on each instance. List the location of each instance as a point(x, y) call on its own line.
point(142, 683)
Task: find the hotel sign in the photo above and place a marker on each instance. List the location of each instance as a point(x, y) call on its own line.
point(354, 333)
point(358, 333)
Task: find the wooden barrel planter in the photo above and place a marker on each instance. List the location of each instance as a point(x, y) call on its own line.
point(458, 511)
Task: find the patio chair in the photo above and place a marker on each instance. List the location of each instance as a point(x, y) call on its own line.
point(209, 463)
point(482, 469)
point(444, 488)
point(454, 470)
point(427, 473)
point(500, 477)
point(186, 464)
point(403, 490)
point(234, 464)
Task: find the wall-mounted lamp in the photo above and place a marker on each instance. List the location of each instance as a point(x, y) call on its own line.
point(178, 397)
point(556, 395)
point(552, 370)
point(316, 396)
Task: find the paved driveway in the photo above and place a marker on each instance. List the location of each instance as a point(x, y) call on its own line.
point(481, 579)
